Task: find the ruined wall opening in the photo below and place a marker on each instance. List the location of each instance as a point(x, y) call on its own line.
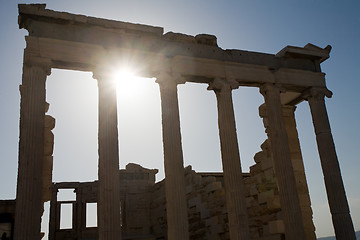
point(199, 126)
point(250, 128)
point(73, 99)
point(313, 171)
point(139, 123)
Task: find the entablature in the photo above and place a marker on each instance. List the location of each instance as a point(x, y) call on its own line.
point(44, 23)
point(78, 42)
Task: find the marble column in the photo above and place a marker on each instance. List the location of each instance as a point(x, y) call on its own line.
point(290, 206)
point(176, 207)
point(29, 204)
point(78, 218)
point(234, 185)
point(108, 172)
point(53, 218)
point(342, 222)
point(299, 171)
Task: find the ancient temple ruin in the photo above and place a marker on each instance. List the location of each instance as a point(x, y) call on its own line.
point(270, 202)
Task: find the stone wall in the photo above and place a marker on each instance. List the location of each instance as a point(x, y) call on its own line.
point(48, 158)
point(206, 207)
point(136, 185)
point(143, 202)
point(206, 203)
point(206, 195)
point(262, 198)
point(207, 210)
point(158, 219)
point(297, 165)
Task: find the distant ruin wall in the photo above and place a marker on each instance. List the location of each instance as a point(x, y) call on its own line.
point(205, 195)
point(207, 211)
point(143, 203)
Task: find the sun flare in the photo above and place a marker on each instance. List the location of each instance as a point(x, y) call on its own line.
point(123, 75)
point(128, 85)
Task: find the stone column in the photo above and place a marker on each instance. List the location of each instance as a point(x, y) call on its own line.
point(234, 185)
point(79, 211)
point(176, 207)
point(29, 204)
point(53, 218)
point(335, 190)
point(299, 171)
point(109, 190)
point(289, 200)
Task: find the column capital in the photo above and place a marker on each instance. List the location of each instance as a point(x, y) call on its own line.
point(317, 93)
point(221, 85)
point(43, 63)
point(101, 74)
point(288, 110)
point(267, 87)
point(169, 78)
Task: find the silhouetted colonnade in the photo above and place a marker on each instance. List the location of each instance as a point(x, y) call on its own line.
point(287, 78)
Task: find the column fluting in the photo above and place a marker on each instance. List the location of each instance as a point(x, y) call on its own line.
point(233, 180)
point(339, 208)
point(109, 192)
point(176, 206)
point(290, 206)
point(29, 204)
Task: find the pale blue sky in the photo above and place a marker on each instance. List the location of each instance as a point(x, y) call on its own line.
point(262, 26)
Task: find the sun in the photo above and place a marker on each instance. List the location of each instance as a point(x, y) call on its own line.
point(123, 74)
point(128, 85)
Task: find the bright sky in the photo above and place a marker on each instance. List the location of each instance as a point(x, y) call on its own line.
point(262, 26)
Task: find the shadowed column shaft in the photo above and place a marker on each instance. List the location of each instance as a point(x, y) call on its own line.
point(289, 200)
point(342, 222)
point(299, 170)
point(234, 185)
point(52, 214)
point(79, 212)
point(109, 195)
point(29, 205)
point(176, 207)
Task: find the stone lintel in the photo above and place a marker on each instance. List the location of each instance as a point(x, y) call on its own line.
point(66, 185)
point(68, 54)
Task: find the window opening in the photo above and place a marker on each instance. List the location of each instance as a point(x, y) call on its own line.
point(91, 215)
point(66, 215)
